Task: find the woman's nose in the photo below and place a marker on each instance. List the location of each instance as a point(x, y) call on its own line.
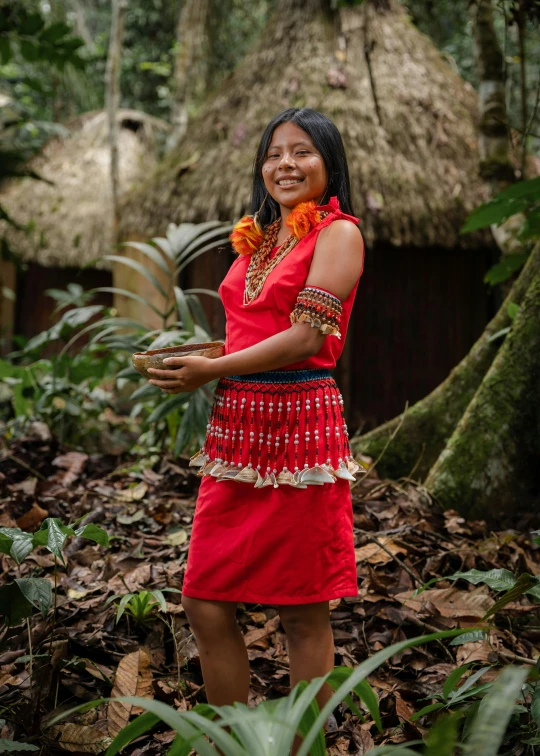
point(286, 160)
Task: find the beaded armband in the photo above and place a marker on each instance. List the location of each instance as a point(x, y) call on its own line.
point(319, 308)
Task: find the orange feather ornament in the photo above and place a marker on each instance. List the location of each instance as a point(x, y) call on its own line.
point(247, 236)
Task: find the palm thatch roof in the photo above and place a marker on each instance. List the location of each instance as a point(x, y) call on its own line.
point(71, 218)
point(409, 123)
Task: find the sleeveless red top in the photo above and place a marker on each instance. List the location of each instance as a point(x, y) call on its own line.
point(268, 314)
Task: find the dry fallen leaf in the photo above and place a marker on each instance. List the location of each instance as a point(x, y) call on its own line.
point(136, 493)
point(177, 538)
point(133, 678)
point(33, 518)
point(374, 554)
point(449, 602)
point(81, 738)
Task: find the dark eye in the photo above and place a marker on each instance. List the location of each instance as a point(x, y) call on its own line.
point(303, 152)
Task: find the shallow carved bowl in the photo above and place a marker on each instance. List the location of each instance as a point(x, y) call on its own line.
point(154, 358)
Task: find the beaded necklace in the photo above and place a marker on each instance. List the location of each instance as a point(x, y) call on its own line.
point(261, 265)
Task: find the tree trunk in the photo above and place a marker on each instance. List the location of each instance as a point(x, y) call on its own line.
point(429, 423)
point(189, 40)
point(493, 138)
point(112, 97)
point(486, 465)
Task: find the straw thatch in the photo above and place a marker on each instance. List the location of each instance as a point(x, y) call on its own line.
point(409, 124)
point(71, 218)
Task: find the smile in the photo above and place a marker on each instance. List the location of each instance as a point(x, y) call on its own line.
point(288, 182)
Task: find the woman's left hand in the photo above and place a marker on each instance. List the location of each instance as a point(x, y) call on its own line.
point(189, 373)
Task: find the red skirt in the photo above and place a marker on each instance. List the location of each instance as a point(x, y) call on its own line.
point(286, 538)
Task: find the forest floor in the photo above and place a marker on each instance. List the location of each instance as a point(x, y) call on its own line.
point(402, 540)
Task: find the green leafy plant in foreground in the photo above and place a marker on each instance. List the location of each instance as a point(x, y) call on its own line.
point(269, 728)
point(19, 598)
point(142, 606)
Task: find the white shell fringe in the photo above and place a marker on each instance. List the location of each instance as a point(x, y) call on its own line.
point(317, 475)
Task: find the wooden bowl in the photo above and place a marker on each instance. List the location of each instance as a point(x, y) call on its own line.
point(154, 358)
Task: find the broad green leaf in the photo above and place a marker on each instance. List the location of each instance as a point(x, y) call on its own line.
point(30, 24)
point(472, 637)
point(51, 536)
point(494, 212)
point(21, 543)
point(14, 607)
point(529, 188)
point(499, 580)
point(54, 32)
point(506, 267)
point(94, 533)
point(38, 591)
point(494, 713)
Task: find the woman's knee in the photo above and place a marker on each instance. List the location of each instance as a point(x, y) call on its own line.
point(209, 618)
point(302, 622)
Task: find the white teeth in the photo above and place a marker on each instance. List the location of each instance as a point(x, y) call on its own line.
point(286, 182)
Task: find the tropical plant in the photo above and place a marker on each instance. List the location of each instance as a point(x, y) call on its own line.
point(270, 728)
point(19, 598)
point(142, 606)
point(68, 389)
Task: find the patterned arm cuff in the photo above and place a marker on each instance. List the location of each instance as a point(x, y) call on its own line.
point(319, 308)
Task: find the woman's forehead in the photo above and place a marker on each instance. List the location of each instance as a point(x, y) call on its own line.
point(289, 134)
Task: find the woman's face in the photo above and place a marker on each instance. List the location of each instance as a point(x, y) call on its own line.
point(293, 170)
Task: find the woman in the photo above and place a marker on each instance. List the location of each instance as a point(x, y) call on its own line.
point(284, 536)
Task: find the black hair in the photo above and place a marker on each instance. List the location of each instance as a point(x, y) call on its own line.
point(327, 140)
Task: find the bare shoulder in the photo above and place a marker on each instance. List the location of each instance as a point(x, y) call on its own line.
point(338, 259)
point(342, 231)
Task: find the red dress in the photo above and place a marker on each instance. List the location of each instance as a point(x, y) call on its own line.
point(273, 518)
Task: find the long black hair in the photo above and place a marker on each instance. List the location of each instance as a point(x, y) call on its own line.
point(327, 140)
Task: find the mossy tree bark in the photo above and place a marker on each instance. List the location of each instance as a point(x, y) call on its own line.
point(428, 424)
point(490, 460)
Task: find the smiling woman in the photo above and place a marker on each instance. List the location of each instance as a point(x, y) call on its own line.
point(277, 426)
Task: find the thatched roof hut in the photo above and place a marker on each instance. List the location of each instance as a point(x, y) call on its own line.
point(71, 216)
point(408, 122)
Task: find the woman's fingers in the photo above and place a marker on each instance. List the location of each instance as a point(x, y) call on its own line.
point(166, 384)
point(163, 374)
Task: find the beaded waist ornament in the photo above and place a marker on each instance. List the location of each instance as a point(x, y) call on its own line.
point(279, 427)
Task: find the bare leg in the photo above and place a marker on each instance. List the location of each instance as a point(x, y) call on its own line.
point(310, 643)
point(222, 651)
